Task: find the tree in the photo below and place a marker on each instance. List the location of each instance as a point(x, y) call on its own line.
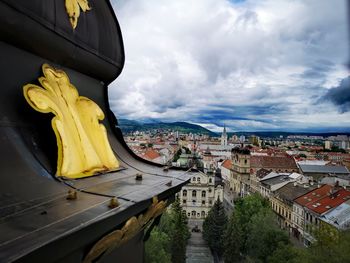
point(157, 247)
point(288, 254)
point(168, 240)
point(177, 155)
point(188, 151)
point(331, 246)
point(233, 240)
point(178, 231)
point(263, 241)
point(245, 238)
point(214, 226)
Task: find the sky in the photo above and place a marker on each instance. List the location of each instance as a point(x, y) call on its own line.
point(251, 65)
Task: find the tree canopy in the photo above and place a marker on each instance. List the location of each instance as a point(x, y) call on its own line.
point(252, 234)
point(168, 240)
point(214, 226)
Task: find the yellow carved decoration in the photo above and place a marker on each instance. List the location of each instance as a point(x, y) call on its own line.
point(83, 147)
point(73, 10)
point(128, 231)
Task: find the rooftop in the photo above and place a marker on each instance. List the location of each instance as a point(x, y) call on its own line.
point(292, 191)
point(329, 202)
point(339, 217)
point(151, 154)
point(326, 169)
point(279, 162)
point(261, 173)
point(227, 164)
point(314, 195)
point(276, 180)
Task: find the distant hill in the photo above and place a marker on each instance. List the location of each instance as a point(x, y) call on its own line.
point(182, 127)
point(277, 134)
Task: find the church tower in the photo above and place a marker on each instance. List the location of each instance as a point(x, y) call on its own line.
point(224, 137)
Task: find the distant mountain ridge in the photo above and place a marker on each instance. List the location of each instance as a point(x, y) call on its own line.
point(277, 134)
point(128, 126)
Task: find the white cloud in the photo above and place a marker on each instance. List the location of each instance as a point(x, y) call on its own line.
point(264, 61)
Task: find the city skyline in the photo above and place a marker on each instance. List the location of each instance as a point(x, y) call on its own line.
point(251, 65)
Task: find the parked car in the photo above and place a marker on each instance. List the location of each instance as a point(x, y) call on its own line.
point(196, 229)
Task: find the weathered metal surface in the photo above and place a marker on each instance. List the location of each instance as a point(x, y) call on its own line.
point(38, 223)
point(73, 10)
point(133, 226)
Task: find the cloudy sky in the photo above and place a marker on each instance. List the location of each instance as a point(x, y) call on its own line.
point(252, 65)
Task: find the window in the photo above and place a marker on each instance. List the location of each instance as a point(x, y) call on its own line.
point(210, 202)
point(193, 213)
point(210, 180)
point(184, 193)
point(203, 202)
point(193, 179)
point(209, 190)
point(188, 214)
point(184, 201)
point(198, 179)
point(194, 193)
point(203, 214)
point(204, 193)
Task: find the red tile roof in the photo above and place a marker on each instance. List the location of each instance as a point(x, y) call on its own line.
point(314, 195)
point(279, 162)
point(151, 154)
point(329, 202)
point(227, 164)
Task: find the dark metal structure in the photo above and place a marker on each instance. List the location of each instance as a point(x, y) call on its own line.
point(39, 220)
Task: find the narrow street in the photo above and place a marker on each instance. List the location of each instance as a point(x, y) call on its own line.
point(197, 250)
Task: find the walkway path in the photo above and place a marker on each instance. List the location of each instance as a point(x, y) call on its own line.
point(197, 250)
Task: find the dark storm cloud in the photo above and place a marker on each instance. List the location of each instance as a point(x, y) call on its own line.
point(249, 64)
point(340, 96)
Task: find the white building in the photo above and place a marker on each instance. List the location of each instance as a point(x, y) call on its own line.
point(224, 138)
point(198, 196)
point(328, 145)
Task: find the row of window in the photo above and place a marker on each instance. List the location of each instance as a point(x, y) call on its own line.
point(194, 193)
point(194, 214)
point(199, 180)
point(194, 201)
point(280, 210)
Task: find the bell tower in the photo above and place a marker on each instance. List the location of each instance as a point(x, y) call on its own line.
point(224, 137)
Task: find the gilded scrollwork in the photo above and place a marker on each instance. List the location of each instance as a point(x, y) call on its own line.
point(128, 231)
point(73, 10)
point(83, 146)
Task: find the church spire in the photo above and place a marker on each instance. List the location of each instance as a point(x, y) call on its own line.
point(224, 137)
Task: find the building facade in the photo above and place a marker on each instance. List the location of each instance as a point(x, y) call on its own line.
point(198, 196)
